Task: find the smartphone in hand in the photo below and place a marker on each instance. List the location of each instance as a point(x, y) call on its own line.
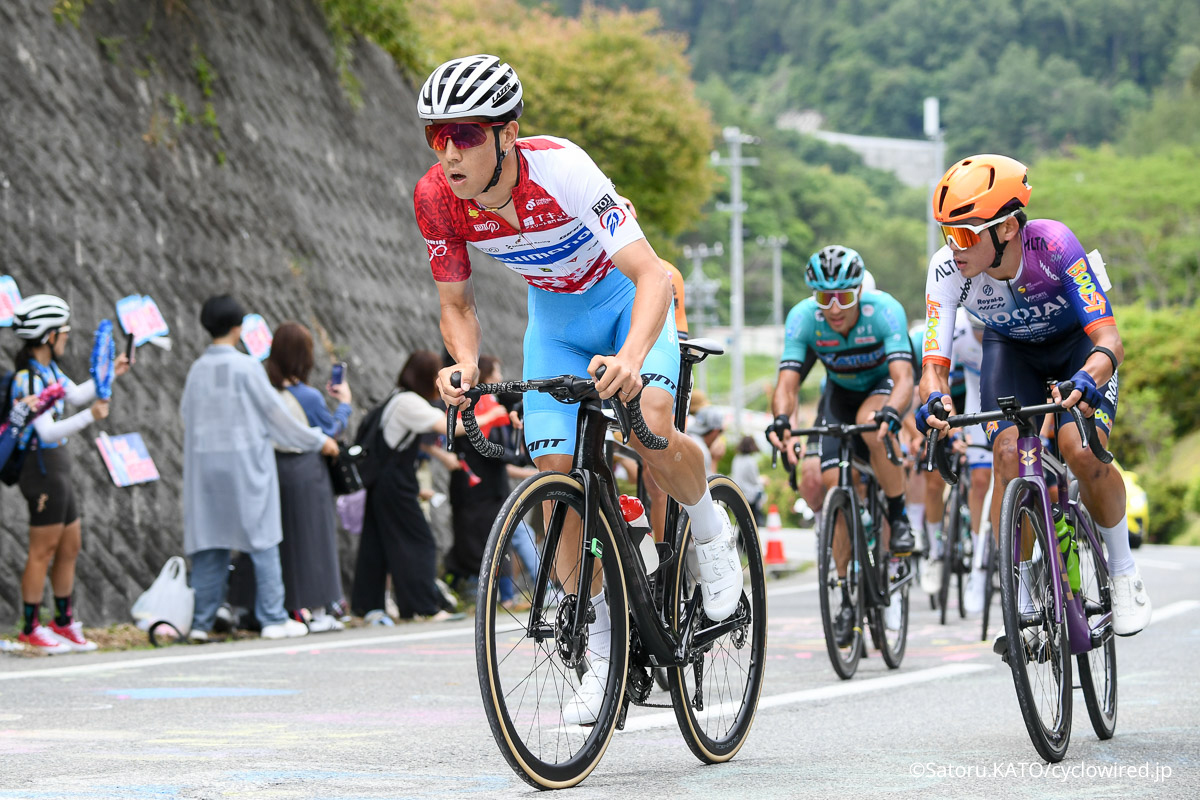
point(338, 374)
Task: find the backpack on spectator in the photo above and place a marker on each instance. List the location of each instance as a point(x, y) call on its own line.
point(12, 460)
point(369, 437)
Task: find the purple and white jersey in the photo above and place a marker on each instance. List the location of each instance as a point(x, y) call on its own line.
point(1054, 292)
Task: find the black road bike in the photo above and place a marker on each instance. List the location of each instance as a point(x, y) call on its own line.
point(529, 662)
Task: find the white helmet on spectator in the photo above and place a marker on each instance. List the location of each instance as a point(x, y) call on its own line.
point(37, 316)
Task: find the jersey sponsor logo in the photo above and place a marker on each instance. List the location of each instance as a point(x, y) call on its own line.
point(1103, 418)
point(989, 303)
point(613, 219)
point(865, 340)
point(852, 362)
point(663, 379)
point(472, 213)
point(991, 428)
point(603, 204)
point(828, 342)
point(868, 310)
point(989, 290)
point(540, 443)
point(1034, 312)
point(437, 248)
point(933, 316)
point(491, 226)
point(544, 220)
point(538, 201)
point(1110, 389)
point(944, 270)
point(1096, 304)
point(1036, 243)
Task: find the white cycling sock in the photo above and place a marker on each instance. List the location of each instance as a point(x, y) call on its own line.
point(1024, 600)
point(706, 520)
point(978, 551)
point(916, 515)
point(935, 539)
point(1116, 541)
point(600, 631)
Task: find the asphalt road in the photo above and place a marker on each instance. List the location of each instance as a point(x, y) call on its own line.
point(396, 713)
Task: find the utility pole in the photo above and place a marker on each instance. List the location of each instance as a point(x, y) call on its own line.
point(935, 134)
point(776, 243)
point(699, 296)
point(735, 139)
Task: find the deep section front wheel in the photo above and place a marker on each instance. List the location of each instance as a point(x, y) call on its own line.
point(528, 650)
point(844, 640)
point(716, 694)
point(1039, 653)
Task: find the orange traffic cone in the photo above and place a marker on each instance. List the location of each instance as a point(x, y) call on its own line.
point(774, 556)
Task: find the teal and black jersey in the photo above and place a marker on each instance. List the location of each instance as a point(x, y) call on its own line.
point(858, 360)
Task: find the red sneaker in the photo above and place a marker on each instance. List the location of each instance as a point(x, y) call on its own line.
point(44, 640)
point(73, 635)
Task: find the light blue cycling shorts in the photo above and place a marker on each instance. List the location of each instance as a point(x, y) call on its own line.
point(565, 332)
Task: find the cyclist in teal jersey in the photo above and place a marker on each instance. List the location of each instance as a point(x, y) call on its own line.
point(861, 339)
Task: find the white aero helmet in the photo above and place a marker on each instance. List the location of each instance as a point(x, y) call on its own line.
point(471, 86)
point(37, 315)
point(868, 284)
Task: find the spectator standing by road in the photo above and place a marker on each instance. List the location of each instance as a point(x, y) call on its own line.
point(308, 553)
point(231, 417)
point(55, 531)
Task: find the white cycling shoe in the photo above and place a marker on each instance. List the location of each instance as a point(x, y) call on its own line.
point(976, 583)
point(931, 576)
point(1130, 604)
point(584, 707)
point(720, 570)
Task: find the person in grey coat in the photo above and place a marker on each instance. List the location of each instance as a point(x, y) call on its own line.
point(232, 417)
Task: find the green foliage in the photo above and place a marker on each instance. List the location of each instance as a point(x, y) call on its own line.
point(206, 76)
point(610, 82)
point(1141, 211)
point(69, 11)
point(110, 47)
point(1159, 401)
point(179, 110)
point(384, 22)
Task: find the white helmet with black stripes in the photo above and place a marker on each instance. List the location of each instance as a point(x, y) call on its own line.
point(471, 86)
point(37, 316)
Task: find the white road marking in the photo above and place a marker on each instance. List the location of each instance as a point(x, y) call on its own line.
point(1173, 610)
point(839, 689)
point(302, 644)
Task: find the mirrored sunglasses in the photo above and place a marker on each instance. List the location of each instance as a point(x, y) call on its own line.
point(843, 297)
point(960, 237)
point(465, 135)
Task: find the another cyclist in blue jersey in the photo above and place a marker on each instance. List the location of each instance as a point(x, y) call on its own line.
point(861, 338)
point(1046, 318)
point(598, 296)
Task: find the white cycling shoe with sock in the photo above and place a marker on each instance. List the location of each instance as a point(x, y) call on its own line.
point(719, 567)
point(1131, 604)
point(976, 583)
point(584, 707)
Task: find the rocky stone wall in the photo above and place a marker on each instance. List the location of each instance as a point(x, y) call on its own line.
point(113, 181)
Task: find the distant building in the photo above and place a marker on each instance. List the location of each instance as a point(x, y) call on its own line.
point(913, 161)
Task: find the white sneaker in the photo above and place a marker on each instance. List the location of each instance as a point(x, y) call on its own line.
point(720, 568)
point(322, 623)
point(976, 583)
point(1131, 604)
point(584, 707)
point(288, 629)
point(931, 576)
point(378, 617)
point(199, 637)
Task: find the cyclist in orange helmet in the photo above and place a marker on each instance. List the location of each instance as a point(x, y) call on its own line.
point(1046, 317)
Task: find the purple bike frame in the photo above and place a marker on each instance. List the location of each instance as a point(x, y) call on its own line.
point(1079, 633)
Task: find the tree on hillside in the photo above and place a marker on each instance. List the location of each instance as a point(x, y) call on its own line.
point(612, 82)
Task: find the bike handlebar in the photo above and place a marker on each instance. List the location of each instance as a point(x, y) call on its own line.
point(565, 388)
point(842, 430)
point(1011, 411)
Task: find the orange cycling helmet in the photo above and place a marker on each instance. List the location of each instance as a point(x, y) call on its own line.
point(979, 189)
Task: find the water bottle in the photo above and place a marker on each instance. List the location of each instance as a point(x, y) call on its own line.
point(1066, 546)
point(865, 516)
point(639, 531)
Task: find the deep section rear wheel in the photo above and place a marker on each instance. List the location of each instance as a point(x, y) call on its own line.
point(1098, 666)
point(716, 696)
point(527, 655)
point(1039, 653)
